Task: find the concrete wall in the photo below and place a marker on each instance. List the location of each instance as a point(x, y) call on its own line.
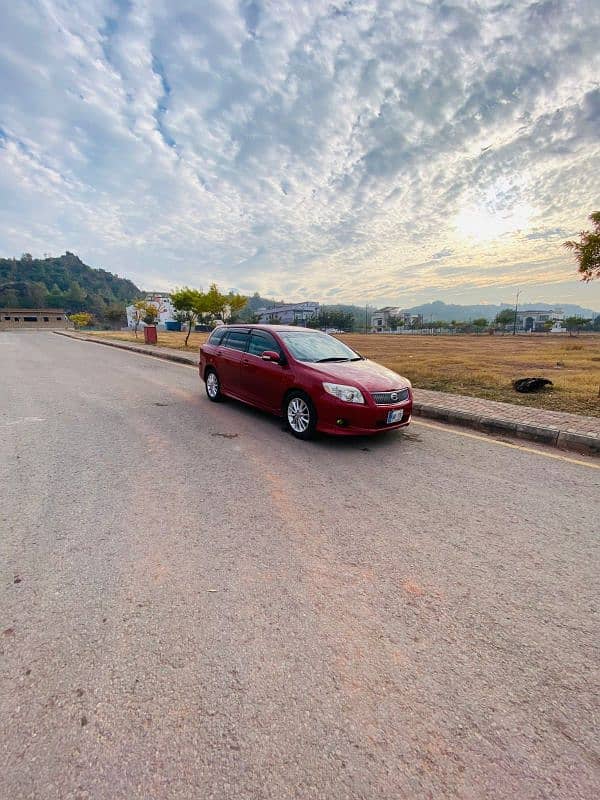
point(33, 319)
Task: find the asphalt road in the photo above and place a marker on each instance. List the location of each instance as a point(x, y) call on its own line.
point(196, 605)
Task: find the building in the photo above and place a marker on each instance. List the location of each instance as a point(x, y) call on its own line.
point(532, 320)
point(289, 314)
point(380, 319)
point(162, 301)
point(33, 319)
point(383, 319)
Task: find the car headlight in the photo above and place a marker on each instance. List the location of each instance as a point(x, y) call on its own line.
point(350, 394)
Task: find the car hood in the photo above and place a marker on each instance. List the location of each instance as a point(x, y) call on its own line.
point(366, 374)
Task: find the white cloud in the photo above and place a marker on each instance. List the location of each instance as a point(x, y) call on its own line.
point(331, 149)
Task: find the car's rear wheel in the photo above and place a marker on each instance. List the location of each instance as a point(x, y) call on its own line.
point(300, 415)
point(213, 386)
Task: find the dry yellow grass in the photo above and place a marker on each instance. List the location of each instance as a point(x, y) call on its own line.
point(171, 339)
point(485, 366)
point(479, 366)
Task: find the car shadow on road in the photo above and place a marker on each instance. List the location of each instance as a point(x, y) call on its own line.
point(378, 442)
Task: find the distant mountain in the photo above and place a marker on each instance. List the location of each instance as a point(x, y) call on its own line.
point(435, 311)
point(447, 312)
point(63, 282)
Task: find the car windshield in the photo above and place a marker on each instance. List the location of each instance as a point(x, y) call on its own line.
point(315, 346)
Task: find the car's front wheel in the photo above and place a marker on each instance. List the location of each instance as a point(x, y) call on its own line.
point(300, 415)
point(213, 386)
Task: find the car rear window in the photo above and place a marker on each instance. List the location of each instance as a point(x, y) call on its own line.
point(217, 335)
point(237, 340)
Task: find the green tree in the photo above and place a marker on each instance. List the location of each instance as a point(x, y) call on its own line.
point(221, 305)
point(346, 322)
point(56, 298)
point(95, 304)
point(587, 250)
point(140, 309)
point(480, 323)
point(81, 320)
point(152, 314)
point(190, 304)
point(575, 324)
point(331, 318)
point(76, 295)
point(179, 316)
point(235, 303)
point(115, 314)
point(36, 295)
point(505, 317)
point(215, 301)
point(10, 298)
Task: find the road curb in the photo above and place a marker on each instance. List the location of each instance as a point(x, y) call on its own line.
point(564, 440)
point(549, 435)
point(567, 440)
point(178, 359)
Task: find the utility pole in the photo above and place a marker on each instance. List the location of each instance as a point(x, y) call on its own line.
point(516, 309)
point(366, 315)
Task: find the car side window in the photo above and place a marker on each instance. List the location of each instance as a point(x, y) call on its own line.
point(261, 341)
point(236, 340)
point(217, 335)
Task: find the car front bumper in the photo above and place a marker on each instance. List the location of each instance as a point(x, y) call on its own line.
point(357, 419)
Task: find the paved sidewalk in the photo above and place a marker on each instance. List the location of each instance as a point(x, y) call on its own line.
point(567, 431)
point(561, 429)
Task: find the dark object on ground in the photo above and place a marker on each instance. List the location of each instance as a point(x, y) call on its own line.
point(526, 385)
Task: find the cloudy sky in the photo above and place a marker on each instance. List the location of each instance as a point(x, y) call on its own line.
point(338, 150)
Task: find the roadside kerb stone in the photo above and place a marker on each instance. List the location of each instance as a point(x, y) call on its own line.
point(582, 443)
point(450, 415)
point(488, 416)
point(147, 350)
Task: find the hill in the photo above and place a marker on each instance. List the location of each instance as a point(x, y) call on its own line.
point(445, 312)
point(63, 282)
point(255, 302)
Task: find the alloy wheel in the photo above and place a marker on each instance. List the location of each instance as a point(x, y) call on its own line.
point(298, 414)
point(212, 385)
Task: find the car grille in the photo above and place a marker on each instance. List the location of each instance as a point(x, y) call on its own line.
point(388, 398)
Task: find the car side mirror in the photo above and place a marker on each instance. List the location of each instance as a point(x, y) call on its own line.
point(271, 355)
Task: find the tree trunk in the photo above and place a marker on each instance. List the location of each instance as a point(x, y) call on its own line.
point(190, 322)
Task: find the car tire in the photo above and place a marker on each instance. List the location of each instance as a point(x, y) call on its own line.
point(212, 385)
point(300, 415)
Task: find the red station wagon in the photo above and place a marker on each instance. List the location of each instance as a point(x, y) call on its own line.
point(314, 381)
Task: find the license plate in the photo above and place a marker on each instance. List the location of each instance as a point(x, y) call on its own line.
point(394, 416)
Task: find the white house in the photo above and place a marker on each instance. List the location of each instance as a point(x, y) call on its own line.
point(162, 301)
point(532, 320)
point(380, 319)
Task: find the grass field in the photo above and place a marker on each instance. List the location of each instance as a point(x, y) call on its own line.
point(479, 366)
